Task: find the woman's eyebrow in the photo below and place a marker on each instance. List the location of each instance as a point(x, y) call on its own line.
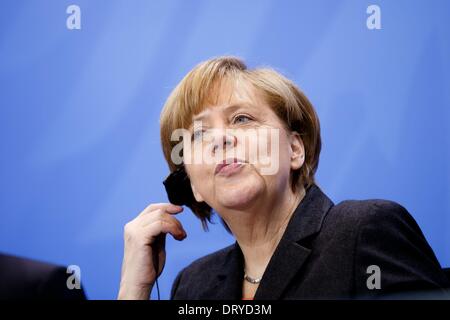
point(242, 105)
point(227, 110)
point(200, 116)
point(231, 108)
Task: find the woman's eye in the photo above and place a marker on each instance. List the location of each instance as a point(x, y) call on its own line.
point(197, 134)
point(241, 119)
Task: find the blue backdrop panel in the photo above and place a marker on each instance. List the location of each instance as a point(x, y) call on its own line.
point(79, 112)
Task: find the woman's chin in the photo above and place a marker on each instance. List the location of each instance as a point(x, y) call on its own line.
point(238, 198)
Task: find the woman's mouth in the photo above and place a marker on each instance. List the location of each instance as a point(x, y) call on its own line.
point(229, 167)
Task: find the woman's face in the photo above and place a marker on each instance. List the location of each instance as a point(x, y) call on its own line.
point(240, 152)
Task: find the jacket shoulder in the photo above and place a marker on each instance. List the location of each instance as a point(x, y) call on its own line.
point(347, 219)
point(387, 236)
point(360, 212)
point(24, 278)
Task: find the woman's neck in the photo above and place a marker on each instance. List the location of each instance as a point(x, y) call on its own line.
point(259, 230)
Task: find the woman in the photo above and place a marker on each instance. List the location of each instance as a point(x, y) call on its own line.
point(292, 242)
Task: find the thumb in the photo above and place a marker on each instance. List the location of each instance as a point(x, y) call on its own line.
point(158, 247)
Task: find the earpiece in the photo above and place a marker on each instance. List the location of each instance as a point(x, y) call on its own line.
point(178, 187)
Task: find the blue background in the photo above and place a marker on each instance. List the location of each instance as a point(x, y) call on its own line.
point(79, 111)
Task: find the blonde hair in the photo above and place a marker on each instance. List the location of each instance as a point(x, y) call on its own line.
point(282, 95)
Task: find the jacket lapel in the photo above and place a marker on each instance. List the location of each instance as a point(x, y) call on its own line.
point(291, 253)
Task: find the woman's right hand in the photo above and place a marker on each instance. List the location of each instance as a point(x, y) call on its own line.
point(144, 248)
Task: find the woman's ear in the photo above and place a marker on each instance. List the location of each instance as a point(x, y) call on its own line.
point(297, 151)
point(196, 194)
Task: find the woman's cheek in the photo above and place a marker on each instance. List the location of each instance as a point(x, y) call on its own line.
point(266, 157)
point(202, 176)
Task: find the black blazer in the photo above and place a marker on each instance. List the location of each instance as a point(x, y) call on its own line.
point(324, 253)
point(22, 278)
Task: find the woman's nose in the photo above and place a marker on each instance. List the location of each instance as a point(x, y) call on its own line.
point(223, 140)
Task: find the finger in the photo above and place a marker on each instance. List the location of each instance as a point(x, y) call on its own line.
point(165, 206)
point(156, 228)
point(160, 242)
point(169, 207)
point(159, 246)
point(171, 219)
point(159, 214)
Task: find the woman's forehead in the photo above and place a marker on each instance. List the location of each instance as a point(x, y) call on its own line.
point(227, 98)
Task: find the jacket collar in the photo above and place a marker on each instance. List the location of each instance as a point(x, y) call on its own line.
point(289, 256)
